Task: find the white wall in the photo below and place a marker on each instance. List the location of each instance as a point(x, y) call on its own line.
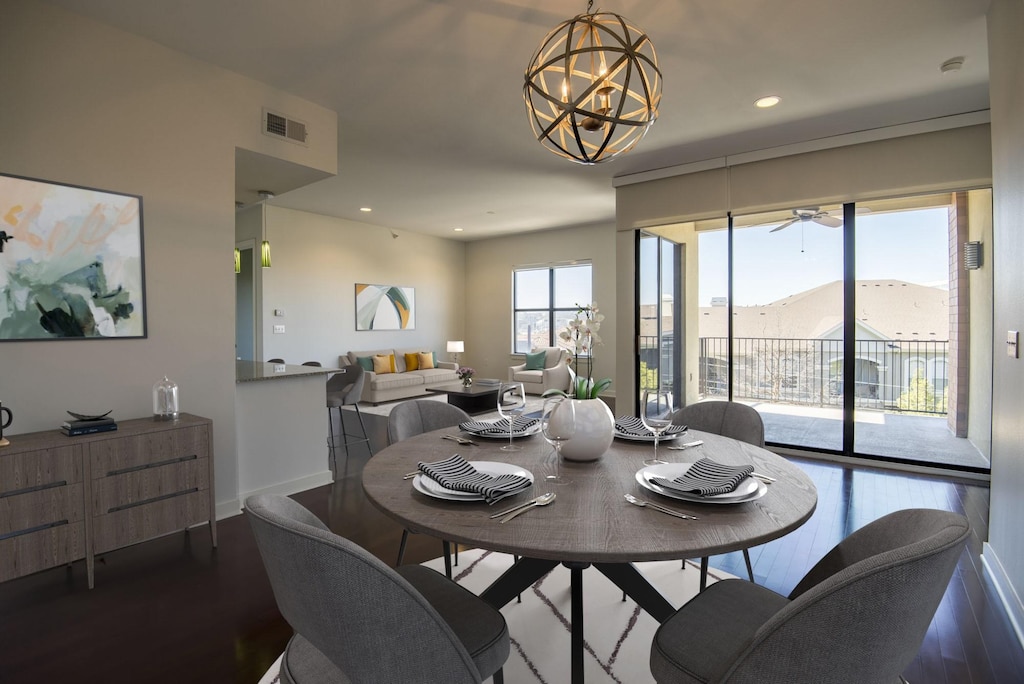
point(317, 260)
point(1004, 553)
point(489, 266)
point(86, 104)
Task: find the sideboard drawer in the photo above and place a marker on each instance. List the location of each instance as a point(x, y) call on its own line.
point(25, 471)
point(141, 487)
point(46, 548)
point(41, 508)
point(118, 456)
point(139, 523)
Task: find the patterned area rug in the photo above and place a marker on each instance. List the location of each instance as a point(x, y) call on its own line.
point(617, 633)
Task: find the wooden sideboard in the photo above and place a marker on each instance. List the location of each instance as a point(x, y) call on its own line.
point(64, 499)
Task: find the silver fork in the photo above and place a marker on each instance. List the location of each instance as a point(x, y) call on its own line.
point(460, 440)
point(658, 507)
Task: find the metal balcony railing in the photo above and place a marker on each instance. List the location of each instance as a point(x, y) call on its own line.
point(892, 375)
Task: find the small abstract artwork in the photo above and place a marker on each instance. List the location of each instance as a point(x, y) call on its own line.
point(385, 307)
point(71, 262)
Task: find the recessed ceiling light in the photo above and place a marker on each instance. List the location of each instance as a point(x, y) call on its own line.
point(768, 101)
point(366, 209)
point(457, 230)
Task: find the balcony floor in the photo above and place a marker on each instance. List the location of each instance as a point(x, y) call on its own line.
point(926, 439)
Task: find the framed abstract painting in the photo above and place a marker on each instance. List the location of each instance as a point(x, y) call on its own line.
point(385, 307)
point(71, 262)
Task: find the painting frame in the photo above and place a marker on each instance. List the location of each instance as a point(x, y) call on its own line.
point(72, 262)
point(385, 307)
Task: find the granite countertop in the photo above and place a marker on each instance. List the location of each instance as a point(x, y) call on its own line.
point(251, 371)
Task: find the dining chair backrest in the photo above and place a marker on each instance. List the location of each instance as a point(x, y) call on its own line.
point(727, 418)
point(275, 360)
point(360, 614)
point(345, 387)
point(865, 606)
point(411, 418)
point(312, 363)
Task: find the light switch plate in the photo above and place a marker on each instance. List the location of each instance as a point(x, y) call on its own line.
point(278, 329)
point(1012, 339)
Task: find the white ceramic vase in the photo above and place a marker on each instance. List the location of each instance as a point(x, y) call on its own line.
point(595, 427)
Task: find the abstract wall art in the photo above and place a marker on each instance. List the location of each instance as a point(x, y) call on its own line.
point(71, 262)
point(385, 307)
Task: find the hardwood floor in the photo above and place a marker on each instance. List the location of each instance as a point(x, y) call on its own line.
point(175, 610)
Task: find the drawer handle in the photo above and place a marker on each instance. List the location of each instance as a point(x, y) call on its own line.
point(136, 504)
point(31, 530)
point(36, 488)
point(147, 466)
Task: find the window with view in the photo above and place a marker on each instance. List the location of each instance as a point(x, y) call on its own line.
point(544, 300)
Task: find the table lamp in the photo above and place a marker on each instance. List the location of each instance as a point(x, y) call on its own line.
point(456, 347)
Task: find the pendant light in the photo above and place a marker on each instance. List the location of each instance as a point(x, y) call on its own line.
point(593, 87)
point(265, 245)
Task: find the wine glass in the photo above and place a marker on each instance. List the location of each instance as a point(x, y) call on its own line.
point(656, 415)
point(511, 404)
point(558, 425)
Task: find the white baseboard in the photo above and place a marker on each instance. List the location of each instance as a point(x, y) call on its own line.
point(227, 509)
point(1011, 601)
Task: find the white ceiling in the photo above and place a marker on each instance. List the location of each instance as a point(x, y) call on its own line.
point(433, 132)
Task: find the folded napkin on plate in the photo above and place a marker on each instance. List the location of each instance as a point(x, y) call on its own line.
point(522, 424)
point(456, 473)
point(707, 478)
point(631, 425)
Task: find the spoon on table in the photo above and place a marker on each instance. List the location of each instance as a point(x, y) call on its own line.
point(543, 500)
point(643, 504)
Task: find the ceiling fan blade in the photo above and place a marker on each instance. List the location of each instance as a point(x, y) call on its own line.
point(826, 220)
point(787, 224)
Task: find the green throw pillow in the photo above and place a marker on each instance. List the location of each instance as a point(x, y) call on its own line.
point(366, 362)
point(536, 361)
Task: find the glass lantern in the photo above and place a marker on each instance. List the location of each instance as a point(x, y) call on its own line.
point(165, 400)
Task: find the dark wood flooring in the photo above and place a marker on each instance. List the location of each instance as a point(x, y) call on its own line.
point(175, 610)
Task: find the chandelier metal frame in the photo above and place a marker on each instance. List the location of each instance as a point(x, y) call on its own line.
point(593, 87)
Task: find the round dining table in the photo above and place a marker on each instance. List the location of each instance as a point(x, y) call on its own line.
point(590, 522)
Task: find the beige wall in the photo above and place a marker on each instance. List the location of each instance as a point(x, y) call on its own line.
point(979, 413)
point(488, 296)
point(1004, 553)
point(317, 260)
point(86, 104)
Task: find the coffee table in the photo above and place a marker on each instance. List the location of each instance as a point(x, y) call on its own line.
point(476, 398)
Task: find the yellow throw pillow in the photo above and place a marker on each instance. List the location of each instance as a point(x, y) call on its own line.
point(426, 360)
point(383, 364)
point(412, 362)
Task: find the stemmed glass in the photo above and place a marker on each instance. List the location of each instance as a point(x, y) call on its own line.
point(511, 404)
point(558, 429)
point(656, 415)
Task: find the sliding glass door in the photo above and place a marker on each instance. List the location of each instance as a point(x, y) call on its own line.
point(661, 342)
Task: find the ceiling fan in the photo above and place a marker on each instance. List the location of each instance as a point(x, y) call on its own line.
point(810, 214)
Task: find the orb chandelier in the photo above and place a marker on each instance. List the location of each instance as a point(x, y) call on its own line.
point(593, 87)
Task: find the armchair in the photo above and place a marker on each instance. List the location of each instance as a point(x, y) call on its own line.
point(553, 374)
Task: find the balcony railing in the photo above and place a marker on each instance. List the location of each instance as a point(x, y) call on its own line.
point(892, 375)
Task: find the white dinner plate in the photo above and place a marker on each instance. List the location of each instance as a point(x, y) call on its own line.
point(431, 487)
point(648, 438)
point(749, 489)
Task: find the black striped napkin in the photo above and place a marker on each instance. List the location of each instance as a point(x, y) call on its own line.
point(456, 473)
point(707, 478)
point(633, 426)
point(500, 427)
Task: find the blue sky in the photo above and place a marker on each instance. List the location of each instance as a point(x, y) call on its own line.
point(911, 246)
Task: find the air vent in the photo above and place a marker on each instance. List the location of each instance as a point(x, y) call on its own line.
point(279, 126)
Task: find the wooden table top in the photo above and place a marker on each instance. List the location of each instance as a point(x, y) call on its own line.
point(590, 520)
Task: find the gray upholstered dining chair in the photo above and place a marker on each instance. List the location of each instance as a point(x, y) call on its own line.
point(411, 418)
point(729, 419)
point(859, 615)
point(357, 620)
point(344, 389)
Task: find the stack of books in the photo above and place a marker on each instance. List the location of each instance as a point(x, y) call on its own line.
point(88, 426)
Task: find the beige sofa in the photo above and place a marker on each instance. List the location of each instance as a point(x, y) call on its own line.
point(403, 383)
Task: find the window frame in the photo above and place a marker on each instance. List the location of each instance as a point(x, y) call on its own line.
point(551, 312)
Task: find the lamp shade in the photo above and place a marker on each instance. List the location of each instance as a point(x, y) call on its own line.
point(456, 346)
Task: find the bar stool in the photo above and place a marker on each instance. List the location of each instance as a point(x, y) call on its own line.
point(344, 388)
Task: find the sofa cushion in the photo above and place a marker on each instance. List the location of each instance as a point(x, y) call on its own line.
point(426, 360)
point(383, 364)
point(529, 376)
point(366, 362)
point(412, 362)
point(432, 376)
point(536, 360)
point(390, 381)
